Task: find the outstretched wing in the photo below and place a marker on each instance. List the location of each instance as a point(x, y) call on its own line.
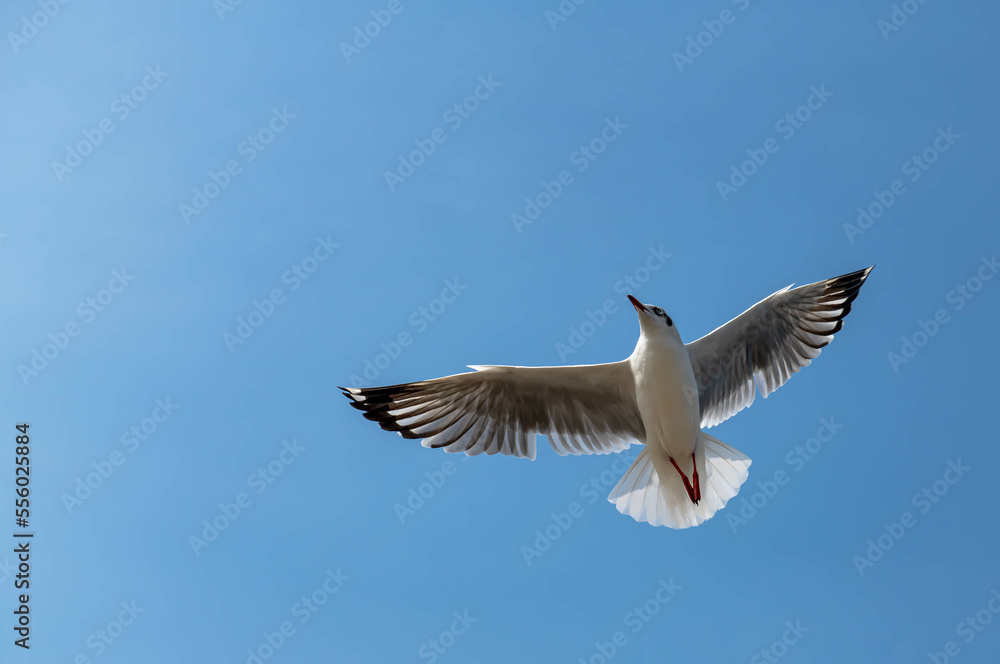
point(588, 409)
point(761, 348)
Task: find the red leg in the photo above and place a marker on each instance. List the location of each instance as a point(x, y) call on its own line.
point(687, 485)
point(694, 478)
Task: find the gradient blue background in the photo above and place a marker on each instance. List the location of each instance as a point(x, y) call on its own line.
point(656, 185)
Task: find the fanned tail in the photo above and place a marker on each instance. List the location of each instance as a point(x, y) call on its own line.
point(659, 496)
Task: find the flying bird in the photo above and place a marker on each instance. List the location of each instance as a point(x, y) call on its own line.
point(661, 396)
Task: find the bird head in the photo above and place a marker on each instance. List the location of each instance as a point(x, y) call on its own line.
point(654, 321)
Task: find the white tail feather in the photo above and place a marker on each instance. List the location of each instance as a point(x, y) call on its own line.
point(660, 499)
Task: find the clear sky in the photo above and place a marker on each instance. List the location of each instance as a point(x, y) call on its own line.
point(217, 213)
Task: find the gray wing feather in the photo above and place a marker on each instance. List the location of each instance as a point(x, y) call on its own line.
point(761, 348)
point(587, 409)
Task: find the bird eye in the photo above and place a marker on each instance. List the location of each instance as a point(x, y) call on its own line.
point(657, 311)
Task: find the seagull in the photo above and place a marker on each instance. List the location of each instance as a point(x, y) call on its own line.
point(662, 396)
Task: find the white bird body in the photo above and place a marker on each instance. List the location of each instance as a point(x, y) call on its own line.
point(662, 396)
point(667, 396)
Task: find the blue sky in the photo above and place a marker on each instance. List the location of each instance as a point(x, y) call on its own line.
point(201, 242)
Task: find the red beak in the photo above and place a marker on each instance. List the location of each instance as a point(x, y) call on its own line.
point(636, 303)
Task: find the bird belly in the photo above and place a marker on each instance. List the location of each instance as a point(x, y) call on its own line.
point(667, 396)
